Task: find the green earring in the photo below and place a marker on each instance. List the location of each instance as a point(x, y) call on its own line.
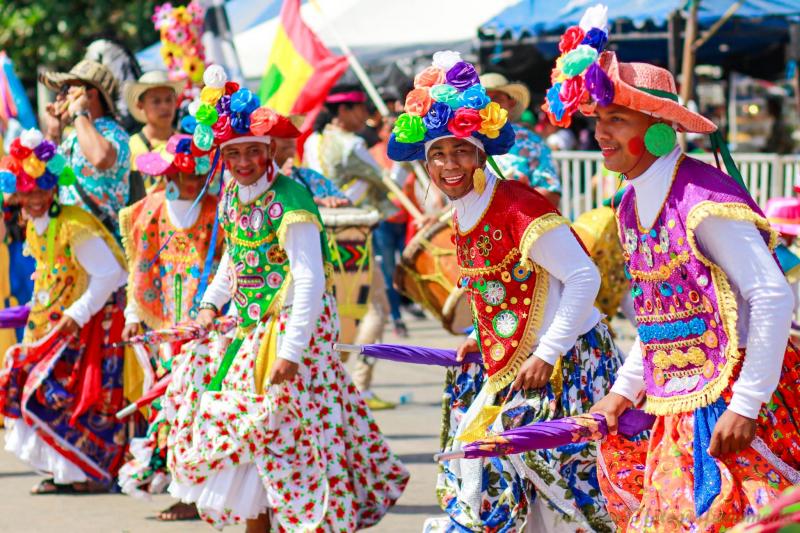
point(660, 139)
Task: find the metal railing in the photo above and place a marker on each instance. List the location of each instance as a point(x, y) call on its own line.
point(585, 183)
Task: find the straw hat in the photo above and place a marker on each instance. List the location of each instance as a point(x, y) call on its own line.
point(494, 81)
point(149, 80)
point(784, 214)
point(651, 90)
point(86, 71)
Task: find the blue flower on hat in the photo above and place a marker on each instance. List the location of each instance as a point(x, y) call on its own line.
point(554, 101)
point(188, 124)
point(474, 98)
point(436, 118)
point(8, 182)
point(47, 181)
point(244, 101)
point(596, 38)
point(184, 146)
point(240, 122)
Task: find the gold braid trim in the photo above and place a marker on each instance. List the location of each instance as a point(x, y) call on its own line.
point(726, 301)
point(502, 265)
point(293, 217)
point(535, 229)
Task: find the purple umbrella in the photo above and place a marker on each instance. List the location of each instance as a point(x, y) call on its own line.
point(410, 354)
point(551, 434)
point(14, 317)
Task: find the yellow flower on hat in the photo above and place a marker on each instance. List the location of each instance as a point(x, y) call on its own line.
point(170, 52)
point(210, 95)
point(182, 15)
point(494, 118)
point(33, 166)
point(194, 68)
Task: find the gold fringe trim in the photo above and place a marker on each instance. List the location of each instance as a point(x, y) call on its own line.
point(726, 301)
point(536, 229)
point(293, 217)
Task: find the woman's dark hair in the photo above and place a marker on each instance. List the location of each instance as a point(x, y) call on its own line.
point(333, 109)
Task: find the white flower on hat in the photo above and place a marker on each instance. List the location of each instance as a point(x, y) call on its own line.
point(215, 77)
point(446, 59)
point(31, 138)
point(595, 17)
point(194, 105)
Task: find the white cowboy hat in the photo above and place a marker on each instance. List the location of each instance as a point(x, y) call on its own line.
point(494, 81)
point(149, 80)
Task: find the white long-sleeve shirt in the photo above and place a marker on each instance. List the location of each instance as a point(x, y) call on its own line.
point(106, 275)
point(307, 285)
point(182, 216)
point(763, 297)
point(573, 278)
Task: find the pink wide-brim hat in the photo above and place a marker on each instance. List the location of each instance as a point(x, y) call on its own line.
point(630, 78)
point(784, 214)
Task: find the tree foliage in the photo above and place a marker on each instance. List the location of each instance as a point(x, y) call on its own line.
point(55, 33)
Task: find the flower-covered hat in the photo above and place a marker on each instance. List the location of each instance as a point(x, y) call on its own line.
point(32, 162)
point(448, 100)
point(585, 77)
point(178, 157)
point(181, 32)
point(226, 113)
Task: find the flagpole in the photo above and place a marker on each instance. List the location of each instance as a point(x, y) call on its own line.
point(372, 91)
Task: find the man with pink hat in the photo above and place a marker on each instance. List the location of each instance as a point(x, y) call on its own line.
point(266, 426)
point(713, 308)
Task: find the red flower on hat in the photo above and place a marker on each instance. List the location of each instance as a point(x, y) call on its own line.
point(222, 128)
point(571, 39)
point(262, 120)
point(25, 183)
point(11, 164)
point(573, 93)
point(184, 163)
point(465, 122)
point(231, 87)
point(18, 151)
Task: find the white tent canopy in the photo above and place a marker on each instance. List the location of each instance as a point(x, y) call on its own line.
point(367, 25)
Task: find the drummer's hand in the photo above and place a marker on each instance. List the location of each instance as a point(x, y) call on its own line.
point(425, 221)
point(67, 327)
point(332, 201)
point(533, 374)
point(205, 317)
point(612, 406)
point(131, 330)
point(284, 370)
point(468, 346)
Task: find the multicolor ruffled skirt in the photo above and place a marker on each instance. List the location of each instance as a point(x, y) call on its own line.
point(557, 488)
point(650, 484)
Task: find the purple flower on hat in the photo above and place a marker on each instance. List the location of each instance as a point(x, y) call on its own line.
point(184, 146)
point(437, 117)
point(240, 122)
point(599, 85)
point(474, 97)
point(46, 181)
point(45, 151)
point(224, 105)
point(596, 38)
point(462, 76)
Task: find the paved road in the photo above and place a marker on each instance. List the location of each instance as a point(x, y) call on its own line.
point(412, 430)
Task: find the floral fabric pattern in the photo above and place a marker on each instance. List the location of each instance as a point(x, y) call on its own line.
point(321, 457)
point(318, 185)
point(565, 477)
point(529, 160)
point(109, 188)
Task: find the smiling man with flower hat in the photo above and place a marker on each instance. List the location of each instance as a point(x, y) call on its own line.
point(63, 384)
point(267, 427)
point(173, 247)
point(713, 308)
point(531, 284)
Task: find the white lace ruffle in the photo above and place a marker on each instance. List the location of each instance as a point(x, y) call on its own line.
point(22, 441)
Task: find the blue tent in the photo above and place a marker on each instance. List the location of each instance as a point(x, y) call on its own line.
point(752, 41)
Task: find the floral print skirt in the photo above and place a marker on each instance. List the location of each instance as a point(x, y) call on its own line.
point(319, 456)
point(649, 484)
point(495, 494)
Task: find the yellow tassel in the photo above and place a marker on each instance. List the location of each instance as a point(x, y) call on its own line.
point(479, 180)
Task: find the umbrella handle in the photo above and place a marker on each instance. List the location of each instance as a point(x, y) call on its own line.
point(348, 348)
point(447, 456)
point(127, 411)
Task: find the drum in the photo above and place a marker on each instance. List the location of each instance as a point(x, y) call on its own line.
point(598, 231)
point(349, 232)
point(428, 274)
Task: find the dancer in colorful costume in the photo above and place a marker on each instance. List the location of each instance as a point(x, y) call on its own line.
point(173, 247)
point(63, 384)
point(531, 285)
point(266, 425)
point(713, 308)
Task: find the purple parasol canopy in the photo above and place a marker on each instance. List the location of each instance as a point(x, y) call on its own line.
point(411, 354)
point(14, 317)
point(552, 434)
